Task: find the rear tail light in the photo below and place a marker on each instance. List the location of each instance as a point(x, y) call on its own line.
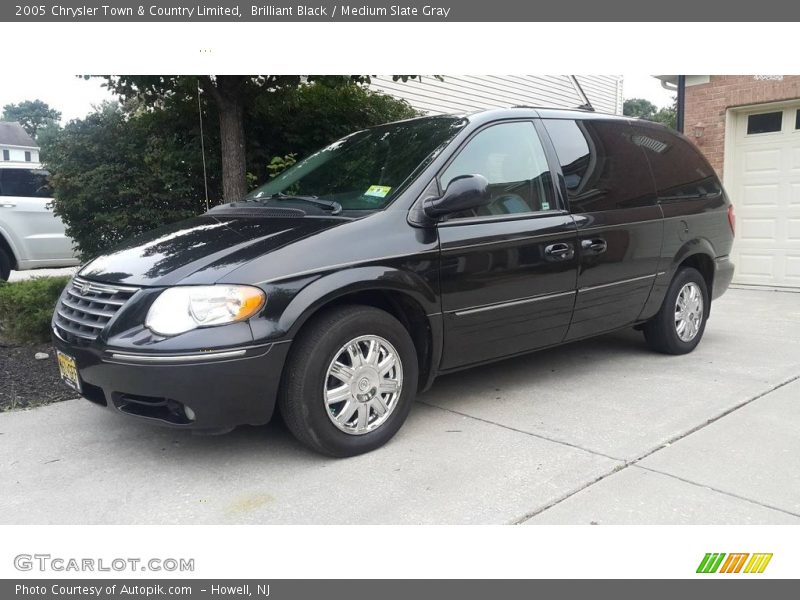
point(732, 219)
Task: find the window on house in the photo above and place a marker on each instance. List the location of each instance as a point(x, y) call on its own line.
point(27, 156)
point(764, 123)
point(6, 155)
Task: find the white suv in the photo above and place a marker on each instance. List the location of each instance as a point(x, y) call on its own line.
point(31, 236)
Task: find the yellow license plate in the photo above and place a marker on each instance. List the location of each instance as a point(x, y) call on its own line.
point(69, 372)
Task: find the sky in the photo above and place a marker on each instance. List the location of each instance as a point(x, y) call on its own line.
point(75, 96)
point(647, 87)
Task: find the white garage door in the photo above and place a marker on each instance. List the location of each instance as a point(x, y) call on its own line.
point(766, 196)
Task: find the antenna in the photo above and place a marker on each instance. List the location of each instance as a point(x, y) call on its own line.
point(587, 104)
point(202, 142)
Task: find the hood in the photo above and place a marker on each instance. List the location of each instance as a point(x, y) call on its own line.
point(199, 250)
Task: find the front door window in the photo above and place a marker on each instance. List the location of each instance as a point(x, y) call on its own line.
point(511, 157)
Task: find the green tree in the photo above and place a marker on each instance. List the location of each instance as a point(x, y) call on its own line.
point(232, 96)
point(33, 115)
point(116, 175)
point(668, 115)
point(639, 108)
point(302, 120)
point(132, 167)
point(644, 109)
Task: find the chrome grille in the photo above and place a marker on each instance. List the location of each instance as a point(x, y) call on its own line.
point(86, 307)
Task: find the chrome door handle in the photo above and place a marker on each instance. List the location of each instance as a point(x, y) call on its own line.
point(595, 246)
point(8, 205)
point(560, 251)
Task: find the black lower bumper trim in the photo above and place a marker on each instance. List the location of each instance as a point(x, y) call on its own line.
point(220, 394)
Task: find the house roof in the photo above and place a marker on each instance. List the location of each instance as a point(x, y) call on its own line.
point(12, 134)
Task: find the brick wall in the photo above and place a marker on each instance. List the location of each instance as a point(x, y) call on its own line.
point(707, 103)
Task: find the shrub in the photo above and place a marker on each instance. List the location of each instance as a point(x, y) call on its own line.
point(116, 175)
point(124, 170)
point(26, 308)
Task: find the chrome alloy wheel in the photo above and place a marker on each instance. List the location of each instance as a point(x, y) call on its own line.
point(688, 311)
point(363, 384)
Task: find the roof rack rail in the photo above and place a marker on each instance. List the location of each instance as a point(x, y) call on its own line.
point(583, 107)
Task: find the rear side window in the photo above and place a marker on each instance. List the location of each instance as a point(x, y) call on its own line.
point(680, 171)
point(511, 157)
point(30, 183)
point(603, 168)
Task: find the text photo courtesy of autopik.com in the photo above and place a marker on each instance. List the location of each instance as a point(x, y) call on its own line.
point(483, 294)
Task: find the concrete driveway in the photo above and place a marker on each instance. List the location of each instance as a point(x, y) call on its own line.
point(601, 431)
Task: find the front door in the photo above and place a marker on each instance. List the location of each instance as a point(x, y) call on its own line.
point(508, 270)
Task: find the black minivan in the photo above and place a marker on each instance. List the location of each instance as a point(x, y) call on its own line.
point(341, 288)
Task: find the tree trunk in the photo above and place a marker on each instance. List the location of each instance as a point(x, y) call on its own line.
point(231, 132)
point(228, 93)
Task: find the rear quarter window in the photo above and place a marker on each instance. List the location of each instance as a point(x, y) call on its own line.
point(603, 168)
point(27, 183)
point(679, 169)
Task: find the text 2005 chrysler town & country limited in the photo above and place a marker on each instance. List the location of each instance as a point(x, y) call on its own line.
point(341, 288)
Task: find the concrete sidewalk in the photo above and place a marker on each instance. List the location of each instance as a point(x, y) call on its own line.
point(601, 431)
point(34, 273)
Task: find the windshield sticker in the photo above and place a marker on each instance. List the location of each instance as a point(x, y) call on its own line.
point(378, 191)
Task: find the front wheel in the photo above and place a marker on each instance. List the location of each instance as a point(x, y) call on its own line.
point(350, 381)
point(679, 325)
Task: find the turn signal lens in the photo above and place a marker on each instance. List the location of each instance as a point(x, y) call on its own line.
point(183, 308)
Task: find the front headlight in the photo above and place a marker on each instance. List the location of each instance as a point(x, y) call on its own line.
point(183, 308)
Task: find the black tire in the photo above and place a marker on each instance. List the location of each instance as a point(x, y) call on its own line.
point(5, 265)
point(661, 332)
point(301, 400)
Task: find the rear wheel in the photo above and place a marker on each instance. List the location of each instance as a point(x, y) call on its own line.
point(679, 325)
point(350, 381)
point(5, 265)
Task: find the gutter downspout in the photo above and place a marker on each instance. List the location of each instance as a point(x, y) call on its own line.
point(681, 103)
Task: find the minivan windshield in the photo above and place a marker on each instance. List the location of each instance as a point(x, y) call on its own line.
point(365, 170)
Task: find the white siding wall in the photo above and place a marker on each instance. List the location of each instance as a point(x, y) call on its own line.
point(18, 154)
point(468, 93)
point(604, 92)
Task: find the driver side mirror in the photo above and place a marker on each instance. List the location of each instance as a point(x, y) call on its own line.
point(463, 193)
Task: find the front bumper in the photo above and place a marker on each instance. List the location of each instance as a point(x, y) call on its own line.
point(223, 389)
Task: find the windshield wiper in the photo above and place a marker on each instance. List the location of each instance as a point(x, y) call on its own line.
point(331, 205)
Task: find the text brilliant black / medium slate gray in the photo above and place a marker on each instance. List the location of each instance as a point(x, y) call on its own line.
point(343, 286)
point(377, 10)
